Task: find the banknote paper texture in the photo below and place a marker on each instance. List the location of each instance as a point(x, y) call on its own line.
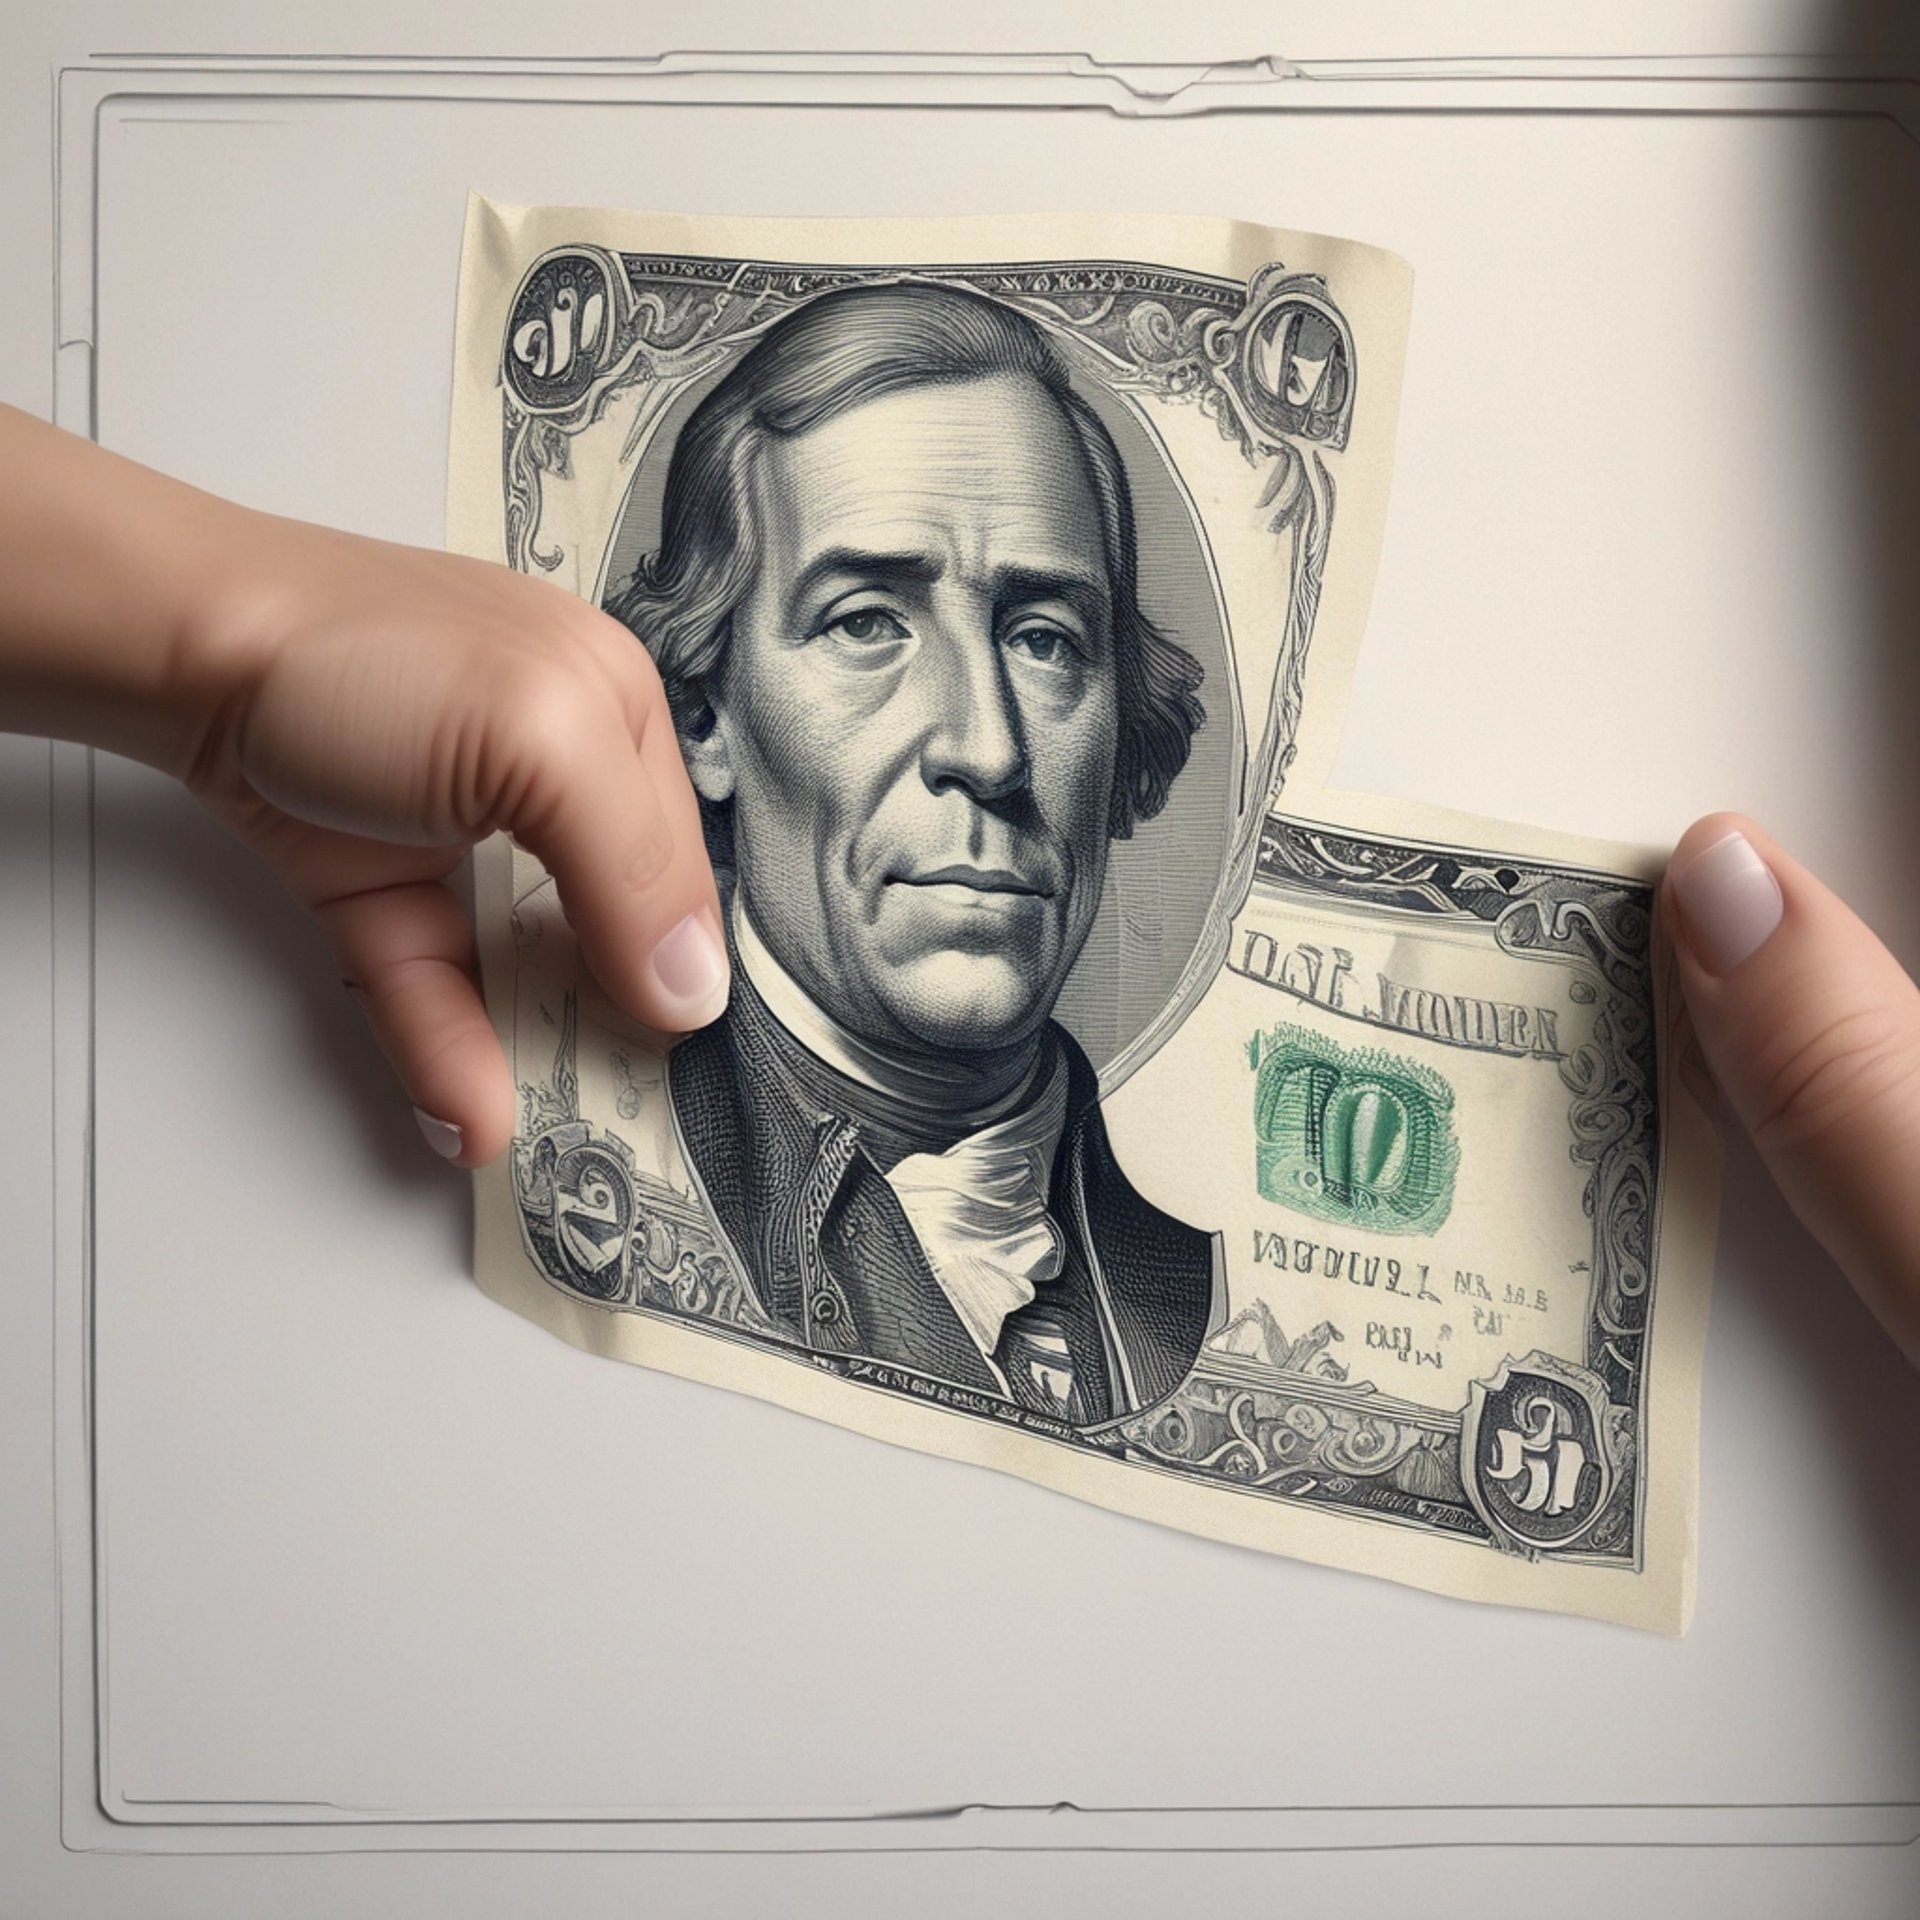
point(1102, 1097)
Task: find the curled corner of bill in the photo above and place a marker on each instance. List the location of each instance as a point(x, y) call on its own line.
point(1103, 1098)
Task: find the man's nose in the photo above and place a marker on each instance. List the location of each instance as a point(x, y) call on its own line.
point(977, 742)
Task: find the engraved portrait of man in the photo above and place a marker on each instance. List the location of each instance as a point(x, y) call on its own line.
point(895, 606)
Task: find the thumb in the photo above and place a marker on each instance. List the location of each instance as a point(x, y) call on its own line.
point(1813, 1031)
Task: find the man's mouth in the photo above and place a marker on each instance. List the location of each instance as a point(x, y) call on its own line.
point(977, 880)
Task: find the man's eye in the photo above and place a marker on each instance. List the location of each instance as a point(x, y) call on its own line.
point(866, 625)
point(1048, 646)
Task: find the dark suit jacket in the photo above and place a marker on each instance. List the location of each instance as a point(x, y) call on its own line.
point(836, 1268)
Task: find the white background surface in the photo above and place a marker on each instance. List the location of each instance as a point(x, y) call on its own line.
point(370, 1539)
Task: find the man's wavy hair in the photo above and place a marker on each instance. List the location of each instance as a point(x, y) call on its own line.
point(834, 354)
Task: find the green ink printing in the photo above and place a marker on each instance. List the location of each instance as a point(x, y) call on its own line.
point(1354, 1135)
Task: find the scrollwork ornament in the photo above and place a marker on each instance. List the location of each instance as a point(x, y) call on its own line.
point(1265, 1431)
point(564, 326)
point(1272, 362)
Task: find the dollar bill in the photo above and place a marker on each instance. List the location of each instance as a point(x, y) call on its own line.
point(1103, 1097)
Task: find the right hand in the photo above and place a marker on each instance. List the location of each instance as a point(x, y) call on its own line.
point(1813, 1032)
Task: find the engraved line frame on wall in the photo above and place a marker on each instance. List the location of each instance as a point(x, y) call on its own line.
point(91, 1818)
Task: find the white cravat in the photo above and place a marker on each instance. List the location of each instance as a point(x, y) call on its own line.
point(978, 1210)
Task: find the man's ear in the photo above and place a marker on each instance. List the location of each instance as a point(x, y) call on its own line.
point(703, 745)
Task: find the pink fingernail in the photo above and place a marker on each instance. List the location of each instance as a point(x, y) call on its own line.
point(1730, 900)
point(690, 973)
point(442, 1135)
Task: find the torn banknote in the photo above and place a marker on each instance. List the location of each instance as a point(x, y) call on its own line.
point(1102, 1097)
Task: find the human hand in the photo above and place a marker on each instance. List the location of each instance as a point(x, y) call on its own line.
point(362, 713)
point(366, 712)
point(1813, 1032)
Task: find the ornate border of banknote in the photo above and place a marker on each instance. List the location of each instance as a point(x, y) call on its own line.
point(1564, 1479)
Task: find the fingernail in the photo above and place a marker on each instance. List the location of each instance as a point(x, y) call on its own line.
point(690, 973)
point(442, 1135)
point(1730, 901)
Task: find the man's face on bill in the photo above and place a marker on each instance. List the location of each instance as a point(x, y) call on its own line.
point(919, 712)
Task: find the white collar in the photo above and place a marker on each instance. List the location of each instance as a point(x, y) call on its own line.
point(979, 1211)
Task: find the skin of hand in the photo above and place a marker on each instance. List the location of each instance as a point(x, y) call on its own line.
point(361, 713)
point(1812, 1029)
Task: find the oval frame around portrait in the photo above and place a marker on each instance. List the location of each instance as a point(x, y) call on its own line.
point(1136, 978)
